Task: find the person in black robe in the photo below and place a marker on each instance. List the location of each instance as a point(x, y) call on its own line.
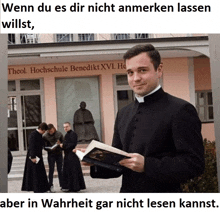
point(35, 178)
point(161, 133)
point(73, 180)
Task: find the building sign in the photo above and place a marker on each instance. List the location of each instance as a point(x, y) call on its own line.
point(39, 69)
point(14, 71)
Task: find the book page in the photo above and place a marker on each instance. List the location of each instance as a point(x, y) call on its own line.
point(80, 154)
point(103, 146)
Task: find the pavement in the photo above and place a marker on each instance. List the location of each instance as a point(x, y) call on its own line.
point(92, 186)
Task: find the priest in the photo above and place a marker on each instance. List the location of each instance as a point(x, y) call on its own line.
point(35, 178)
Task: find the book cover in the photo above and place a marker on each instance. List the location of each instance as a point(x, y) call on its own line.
point(103, 155)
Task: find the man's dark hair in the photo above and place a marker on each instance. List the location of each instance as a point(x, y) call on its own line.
point(43, 126)
point(149, 49)
point(50, 126)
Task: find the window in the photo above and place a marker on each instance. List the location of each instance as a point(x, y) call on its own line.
point(121, 36)
point(123, 93)
point(30, 85)
point(11, 86)
point(28, 38)
point(141, 36)
point(11, 38)
point(85, 37)
point(12, 104)
point(204, 106)
point(64, 37)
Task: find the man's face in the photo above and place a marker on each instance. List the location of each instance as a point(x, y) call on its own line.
point(51, 131)
point(66, 127)
point(142, 76)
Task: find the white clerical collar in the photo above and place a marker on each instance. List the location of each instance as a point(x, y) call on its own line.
point(141, 98)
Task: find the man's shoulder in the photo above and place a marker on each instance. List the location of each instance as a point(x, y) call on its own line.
point(72, 132)
point(178, 105)
point(58, 133)
point(46, 134)
point(176, 101)
point(168, 100)
point(34, 133)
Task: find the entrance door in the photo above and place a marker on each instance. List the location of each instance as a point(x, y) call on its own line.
point(25, 103)
point(26, 109)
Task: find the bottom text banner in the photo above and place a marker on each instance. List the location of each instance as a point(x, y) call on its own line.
point(106, 202)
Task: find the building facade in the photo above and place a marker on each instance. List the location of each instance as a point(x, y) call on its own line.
point(49, 75)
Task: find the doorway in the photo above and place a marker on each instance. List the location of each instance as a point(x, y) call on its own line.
point(25, 105)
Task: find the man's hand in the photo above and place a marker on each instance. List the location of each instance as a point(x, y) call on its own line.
point(61, 145)
point(80, 149)
point(135, 163)
point(34, 160)
point(82, 162)
point(58, 142)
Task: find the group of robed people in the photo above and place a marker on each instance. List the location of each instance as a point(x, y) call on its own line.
point(69, 169)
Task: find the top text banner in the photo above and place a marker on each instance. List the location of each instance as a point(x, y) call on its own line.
point(110, 16)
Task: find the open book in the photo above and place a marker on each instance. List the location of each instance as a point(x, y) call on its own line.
point(103, 155)
point(51, 147)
